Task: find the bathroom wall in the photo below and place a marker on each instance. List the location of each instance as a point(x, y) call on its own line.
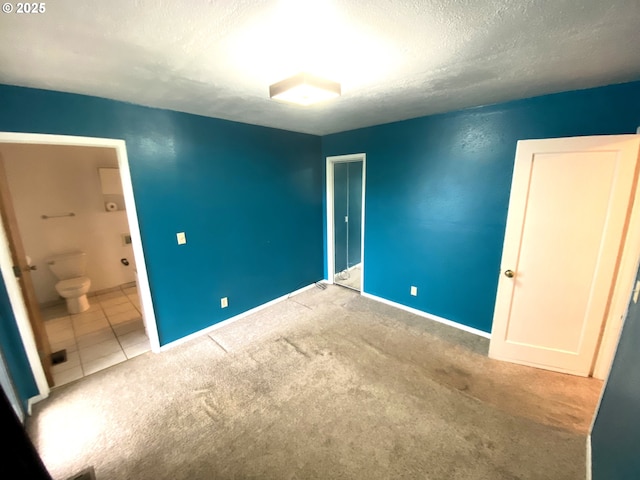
point(52, 180)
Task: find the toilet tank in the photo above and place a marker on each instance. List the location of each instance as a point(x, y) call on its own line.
point(68, 265)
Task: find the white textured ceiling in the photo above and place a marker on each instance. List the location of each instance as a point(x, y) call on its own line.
point(395, 59)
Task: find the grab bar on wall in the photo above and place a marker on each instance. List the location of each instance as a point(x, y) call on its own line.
point(70, 214)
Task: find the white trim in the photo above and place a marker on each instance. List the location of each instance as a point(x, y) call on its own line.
point(32, 401)
point(15, 295)
point(226, 322)
point(589, 459)
point(331, 262)
point(329, 219)
point(435, 318)
point(142, 278)
point(47, 139)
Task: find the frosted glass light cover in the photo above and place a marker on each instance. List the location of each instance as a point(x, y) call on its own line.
point(304, 89)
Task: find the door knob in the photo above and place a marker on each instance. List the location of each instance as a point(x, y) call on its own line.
point(509, 273)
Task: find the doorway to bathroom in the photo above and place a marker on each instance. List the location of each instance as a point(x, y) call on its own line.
point(62, 203)
point(345, 220)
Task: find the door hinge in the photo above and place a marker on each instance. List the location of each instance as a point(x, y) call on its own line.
point(17, 271)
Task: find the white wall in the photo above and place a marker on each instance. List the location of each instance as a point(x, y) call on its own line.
point(50, 180)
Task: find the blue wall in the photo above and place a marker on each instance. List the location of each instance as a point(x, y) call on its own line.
point(249, 199)
point(615, 439)
point(438, 190)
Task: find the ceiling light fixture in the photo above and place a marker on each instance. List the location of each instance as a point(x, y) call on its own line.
point(304, 89)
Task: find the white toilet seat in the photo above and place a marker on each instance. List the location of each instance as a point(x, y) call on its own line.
point(73, 286)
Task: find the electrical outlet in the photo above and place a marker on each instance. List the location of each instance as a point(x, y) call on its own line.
point(414, 291)
point(224, 302)
point(182, 238)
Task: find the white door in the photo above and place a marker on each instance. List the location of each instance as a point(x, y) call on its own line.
point(569, 209)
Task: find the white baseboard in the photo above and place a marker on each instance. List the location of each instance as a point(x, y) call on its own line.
point(33, 400)
point(435, 318)
point(589, 461)
point(223, 323)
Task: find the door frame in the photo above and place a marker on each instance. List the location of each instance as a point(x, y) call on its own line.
point(6, 264)
point(21, 264)
point(624, 279)
point(330, 217)
point(624, 272)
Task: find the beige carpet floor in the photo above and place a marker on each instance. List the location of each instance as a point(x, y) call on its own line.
point(326, 385)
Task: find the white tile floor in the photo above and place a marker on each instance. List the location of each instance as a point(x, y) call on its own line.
point(110, 332)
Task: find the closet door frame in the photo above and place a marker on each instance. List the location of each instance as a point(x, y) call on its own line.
point(329, 225)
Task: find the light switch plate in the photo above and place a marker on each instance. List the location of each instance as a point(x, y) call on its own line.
point(182, 238)
point(636, 291)
point(414, 291)
point(224, 302)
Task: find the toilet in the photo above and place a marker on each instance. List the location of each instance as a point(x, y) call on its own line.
point(73, 286)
